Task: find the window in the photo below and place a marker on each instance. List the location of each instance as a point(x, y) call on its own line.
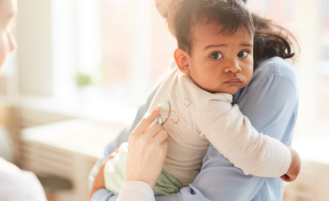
point(136, 48)
point(122, 45)
point(92, 57)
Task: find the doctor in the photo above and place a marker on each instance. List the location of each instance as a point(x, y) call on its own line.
point(15, 184)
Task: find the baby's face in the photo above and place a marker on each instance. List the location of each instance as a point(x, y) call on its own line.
point(220, 63)
point(7, 41)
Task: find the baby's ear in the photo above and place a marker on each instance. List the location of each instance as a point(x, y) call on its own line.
point(182, 60)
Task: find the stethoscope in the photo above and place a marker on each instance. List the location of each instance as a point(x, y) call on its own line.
point(164, 113)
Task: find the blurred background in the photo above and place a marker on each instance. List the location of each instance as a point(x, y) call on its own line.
point(83, 67)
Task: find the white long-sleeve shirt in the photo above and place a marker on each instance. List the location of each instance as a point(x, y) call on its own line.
point(198, 118)
point(18, 185)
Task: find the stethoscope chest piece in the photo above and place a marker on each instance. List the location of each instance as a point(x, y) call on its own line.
point(164, 113)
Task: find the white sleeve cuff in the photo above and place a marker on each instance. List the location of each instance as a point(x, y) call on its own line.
point(136, 191)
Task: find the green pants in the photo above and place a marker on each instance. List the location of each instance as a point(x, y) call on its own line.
point(114, 175)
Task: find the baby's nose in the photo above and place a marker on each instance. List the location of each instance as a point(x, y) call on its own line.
point(232, 67)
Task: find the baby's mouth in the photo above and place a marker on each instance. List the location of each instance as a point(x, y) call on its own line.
point(233, 81)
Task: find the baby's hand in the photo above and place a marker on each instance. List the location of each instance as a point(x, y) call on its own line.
point(294, 168)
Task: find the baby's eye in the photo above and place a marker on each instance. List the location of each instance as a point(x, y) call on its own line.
point(216, 55)
point(243, 54)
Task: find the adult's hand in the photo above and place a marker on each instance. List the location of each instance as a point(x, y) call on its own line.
point(168, 10)
point(146, 154)
point(147, 150)
point(162, 6)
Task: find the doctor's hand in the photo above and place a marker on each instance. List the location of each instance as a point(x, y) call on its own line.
point(147, 150)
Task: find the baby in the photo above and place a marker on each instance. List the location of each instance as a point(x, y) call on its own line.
point(214, 60)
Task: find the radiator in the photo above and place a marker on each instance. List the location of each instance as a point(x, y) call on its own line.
point(67, 149)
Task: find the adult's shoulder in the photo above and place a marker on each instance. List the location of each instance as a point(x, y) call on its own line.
point(275, 67)
point(17, 184)
point(273, 77)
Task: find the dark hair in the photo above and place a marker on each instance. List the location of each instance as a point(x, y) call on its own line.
point(270, 40)
point(231, 14)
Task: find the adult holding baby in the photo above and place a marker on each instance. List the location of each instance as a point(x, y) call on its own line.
point(269, 101)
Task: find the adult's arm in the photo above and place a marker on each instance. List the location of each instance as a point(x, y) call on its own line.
point(270, 101)
point(103, 194)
